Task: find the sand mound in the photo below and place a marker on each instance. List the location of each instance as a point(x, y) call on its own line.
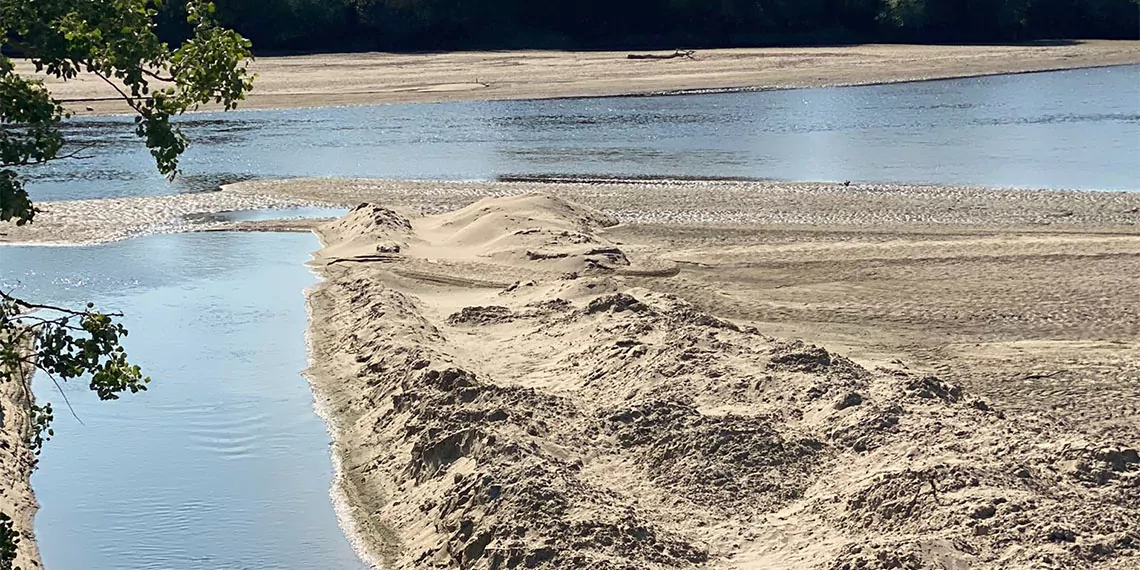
point(583, 423)
point(540, 232)
point(372, 221)
point(489, 219)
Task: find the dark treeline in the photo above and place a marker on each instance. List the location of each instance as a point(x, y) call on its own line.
point(411, 25)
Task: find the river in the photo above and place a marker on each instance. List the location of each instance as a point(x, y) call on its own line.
point(1076, 129)
point(222, 464)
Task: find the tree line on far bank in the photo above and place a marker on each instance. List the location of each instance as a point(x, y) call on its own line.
point(424, 25)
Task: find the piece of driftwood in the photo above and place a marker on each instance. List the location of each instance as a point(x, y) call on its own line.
point(678, 53)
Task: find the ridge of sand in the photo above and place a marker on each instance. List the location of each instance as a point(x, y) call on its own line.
point(580, 417)
point(372, 78)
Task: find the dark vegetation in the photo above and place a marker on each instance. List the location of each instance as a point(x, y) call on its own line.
point(277, 26)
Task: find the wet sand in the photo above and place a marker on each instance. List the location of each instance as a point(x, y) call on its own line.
point(372, 78)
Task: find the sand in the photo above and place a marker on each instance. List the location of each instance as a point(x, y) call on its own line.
point(370, 78)
point(606, 375)
point(16, 464)
point(530, 382)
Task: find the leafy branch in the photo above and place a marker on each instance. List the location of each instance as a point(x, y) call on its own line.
point(117, 41)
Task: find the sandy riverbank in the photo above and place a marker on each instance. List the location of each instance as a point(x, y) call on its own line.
point(370, 78)
point(16, 465)
point(523, 382)
point(529, 382)
point(635, 400)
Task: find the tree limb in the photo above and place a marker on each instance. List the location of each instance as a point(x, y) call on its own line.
point(688, 54)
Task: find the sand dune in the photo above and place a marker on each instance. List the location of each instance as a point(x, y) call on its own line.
point(582, 418)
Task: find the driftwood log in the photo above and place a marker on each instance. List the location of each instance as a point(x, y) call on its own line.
point(676, 54)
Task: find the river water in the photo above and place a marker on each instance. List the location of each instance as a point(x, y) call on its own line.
point(1072, 129)
point(224, 465)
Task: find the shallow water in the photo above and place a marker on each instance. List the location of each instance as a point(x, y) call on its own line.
point(296, 213)
point(222, 463)
point(1070, 129)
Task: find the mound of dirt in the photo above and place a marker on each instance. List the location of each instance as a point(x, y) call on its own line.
point(370, 220)
point(585, 423)
point(538, 232)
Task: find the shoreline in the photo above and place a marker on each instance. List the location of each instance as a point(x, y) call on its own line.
point(338, 493)
point(338, 80)
point(338, 489)
point(693, 91)
point(763, 89)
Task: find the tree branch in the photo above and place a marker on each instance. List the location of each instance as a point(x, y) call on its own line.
point(62, 394)
point(72, 312)
point(130, 101)
point(153, 75)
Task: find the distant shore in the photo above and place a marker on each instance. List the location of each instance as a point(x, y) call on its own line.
point(374, 78)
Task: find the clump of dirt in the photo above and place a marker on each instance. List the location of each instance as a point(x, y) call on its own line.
point(618, 302)
point(372, 220)
point(878, 556)
point(490, 315)
point(929, 387)
point(718, 461)
point(798, 356)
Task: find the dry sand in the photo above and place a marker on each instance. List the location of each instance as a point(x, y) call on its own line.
point(369, 78)
point(526, 382)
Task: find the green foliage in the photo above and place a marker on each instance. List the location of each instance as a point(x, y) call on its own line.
point(9, 543)
point(65, 344)
point(41, 418)
point(118, 42)
point(332, 25)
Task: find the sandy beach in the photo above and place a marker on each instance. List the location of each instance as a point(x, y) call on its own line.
point(528, 381)
point(371, 78)
point(610, 375)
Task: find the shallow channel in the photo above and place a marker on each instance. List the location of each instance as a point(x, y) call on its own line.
point(223, 462)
